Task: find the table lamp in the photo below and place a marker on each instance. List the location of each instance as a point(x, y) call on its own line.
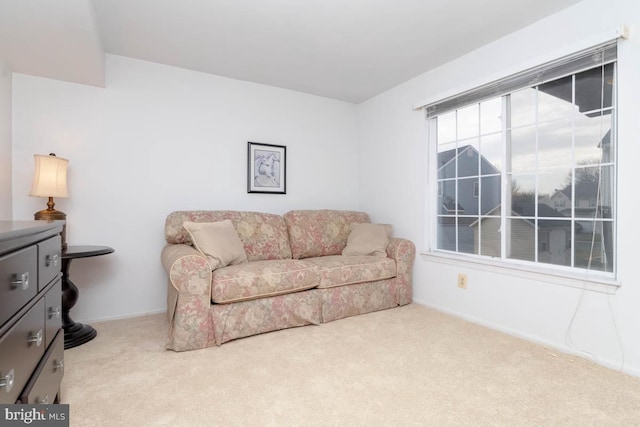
point(50, 180)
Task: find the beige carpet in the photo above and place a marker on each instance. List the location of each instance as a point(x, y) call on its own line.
point(400, 367)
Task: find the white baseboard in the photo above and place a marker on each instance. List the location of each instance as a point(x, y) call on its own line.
point(124, 316)
point(614, 365)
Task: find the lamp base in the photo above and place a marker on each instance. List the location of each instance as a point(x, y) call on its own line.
point(52, 215)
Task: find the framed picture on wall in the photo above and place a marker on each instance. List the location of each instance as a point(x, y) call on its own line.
point(266, 168)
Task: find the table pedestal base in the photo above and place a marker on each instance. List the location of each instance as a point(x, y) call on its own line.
point(77, 334)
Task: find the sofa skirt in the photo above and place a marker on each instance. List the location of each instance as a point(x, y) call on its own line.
point(246, 318)
point(346, 301)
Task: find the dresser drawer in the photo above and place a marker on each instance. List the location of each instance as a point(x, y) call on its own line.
point(18, 281)
point(20, 351)
point(53, 312)
point(44, 385)
point(49, 260)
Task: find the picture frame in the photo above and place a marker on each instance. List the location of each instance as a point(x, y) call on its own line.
point(266, 168)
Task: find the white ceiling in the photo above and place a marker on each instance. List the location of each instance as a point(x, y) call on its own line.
point(53, 39)
point(344, 49)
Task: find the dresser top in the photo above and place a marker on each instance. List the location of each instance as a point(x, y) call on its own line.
point(16, 234)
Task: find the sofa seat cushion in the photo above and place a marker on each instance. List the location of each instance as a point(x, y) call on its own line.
point(260, 279)
point(339, 270)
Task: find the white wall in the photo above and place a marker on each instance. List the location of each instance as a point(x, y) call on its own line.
point(159, 139)
point(5, 141)
point(393, 138)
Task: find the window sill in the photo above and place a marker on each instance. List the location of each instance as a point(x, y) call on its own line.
point(590, 282)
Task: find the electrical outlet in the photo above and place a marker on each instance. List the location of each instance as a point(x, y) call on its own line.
point(462, 281)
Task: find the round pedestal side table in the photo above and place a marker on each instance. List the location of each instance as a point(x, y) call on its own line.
point(76, 333)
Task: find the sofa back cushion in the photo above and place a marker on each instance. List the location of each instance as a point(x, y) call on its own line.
point(314, 233)
point(264, 235)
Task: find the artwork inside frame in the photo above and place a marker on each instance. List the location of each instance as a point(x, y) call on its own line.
point(266, 168)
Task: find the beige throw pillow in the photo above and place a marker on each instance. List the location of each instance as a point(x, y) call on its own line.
point(368, 239)
point(218, 241)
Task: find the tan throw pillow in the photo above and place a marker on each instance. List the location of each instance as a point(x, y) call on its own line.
point(218, 241)
point(368, 239)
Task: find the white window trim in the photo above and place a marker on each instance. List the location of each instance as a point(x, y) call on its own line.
point(546, 274)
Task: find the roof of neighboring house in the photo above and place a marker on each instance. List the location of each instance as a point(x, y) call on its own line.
point(527, 209)
point(451, 206)
point(446, 157)
point(584, 190)
point(560, 193)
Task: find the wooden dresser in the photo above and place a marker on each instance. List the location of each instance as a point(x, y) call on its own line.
point(31, 335)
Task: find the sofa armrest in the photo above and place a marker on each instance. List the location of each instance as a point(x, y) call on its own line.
point(403, 251)
point(188, 297)
point(173, 252)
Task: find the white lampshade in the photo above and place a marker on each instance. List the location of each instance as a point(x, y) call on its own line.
point(50, 177)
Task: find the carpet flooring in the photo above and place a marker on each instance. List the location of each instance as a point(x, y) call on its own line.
point(408, 366)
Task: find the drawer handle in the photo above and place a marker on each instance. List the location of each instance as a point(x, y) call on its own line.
point(51, 260)
point(36, 338)
point(54, 312)
point(43, 400)
point(7, 381)
point(20, 281)
point(58, 364)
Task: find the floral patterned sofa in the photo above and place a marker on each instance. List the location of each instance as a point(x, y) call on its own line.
point(295, 276)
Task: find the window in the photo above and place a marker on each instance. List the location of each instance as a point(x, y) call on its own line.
point(528, 175)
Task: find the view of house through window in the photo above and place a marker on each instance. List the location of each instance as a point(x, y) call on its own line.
point(530, 175)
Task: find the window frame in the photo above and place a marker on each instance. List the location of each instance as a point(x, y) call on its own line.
point(570, 273)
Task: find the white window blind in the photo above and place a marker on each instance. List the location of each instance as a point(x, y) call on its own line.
point(597, 55)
